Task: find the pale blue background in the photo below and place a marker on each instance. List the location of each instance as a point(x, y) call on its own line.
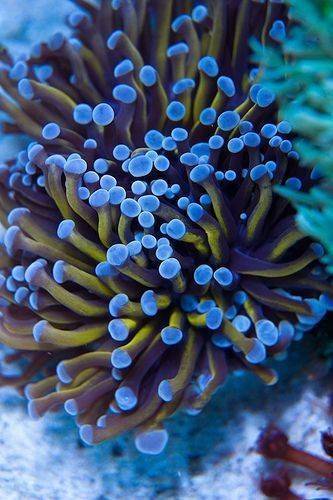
point(24, 22)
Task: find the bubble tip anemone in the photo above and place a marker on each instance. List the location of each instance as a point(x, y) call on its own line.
point(147, 250)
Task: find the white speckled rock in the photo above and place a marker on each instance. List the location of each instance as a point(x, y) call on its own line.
point(209, 457)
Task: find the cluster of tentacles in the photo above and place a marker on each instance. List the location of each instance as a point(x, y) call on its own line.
point(145, 249)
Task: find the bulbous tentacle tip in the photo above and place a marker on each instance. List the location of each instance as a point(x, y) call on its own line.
point(101, 422)
point(10, 237)
point(114, 38)
point(56, 41)
point(34, 301)
point(257, 354)
point(63, 374)
point(165, 391)
point(19, 70)
point(32, 271)
point(214, 318)
point(118, 330)
point(117, 303)
point(38, 330)
point(83, 114)
point(117, 255)
point(25, 89)
point(20, 294)
point(33, 411)
point(57, 160)
point(99, 198)
point(27, 392)
point(267, 332)
point(58, 271)
point(171, 335)
point(51, 131)
point(16, 214)
point(152, 442)
point(87, 434)
point(120, 358)
point(76, 166)
point(71, 407)
point(103, 114)
point(65, 229)
point(148, 303)
point(126, 398)
point(148, 75)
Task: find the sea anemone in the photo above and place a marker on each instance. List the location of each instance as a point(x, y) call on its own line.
point(146, 251)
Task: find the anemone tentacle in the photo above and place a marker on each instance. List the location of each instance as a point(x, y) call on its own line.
point(146, 249)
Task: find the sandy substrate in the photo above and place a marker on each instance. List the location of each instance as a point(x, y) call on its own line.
point(210, 456)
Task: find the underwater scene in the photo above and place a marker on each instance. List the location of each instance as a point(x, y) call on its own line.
point(166, 249)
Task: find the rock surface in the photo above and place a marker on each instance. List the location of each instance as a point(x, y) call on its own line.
point(210, 456)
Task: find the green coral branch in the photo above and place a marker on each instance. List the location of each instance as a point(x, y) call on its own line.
point(300, 71)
